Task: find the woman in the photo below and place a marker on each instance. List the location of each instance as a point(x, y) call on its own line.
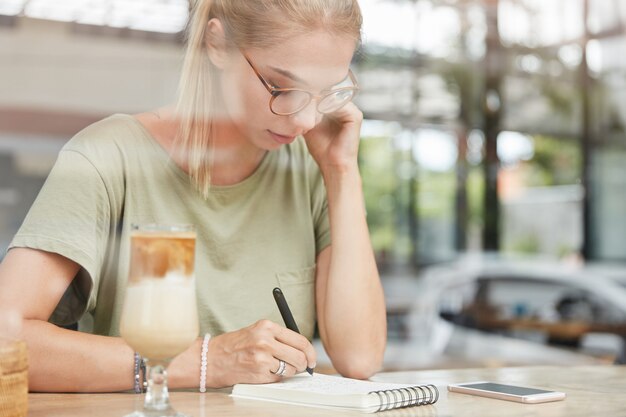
point(266, 175)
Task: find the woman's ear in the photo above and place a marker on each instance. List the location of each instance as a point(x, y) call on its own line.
point(216, 44)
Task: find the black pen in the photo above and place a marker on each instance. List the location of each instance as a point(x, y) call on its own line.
point(283, 307)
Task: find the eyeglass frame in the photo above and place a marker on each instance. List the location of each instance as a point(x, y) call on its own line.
point(275, 91)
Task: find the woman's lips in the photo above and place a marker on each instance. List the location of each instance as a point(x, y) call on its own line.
point(282, 139)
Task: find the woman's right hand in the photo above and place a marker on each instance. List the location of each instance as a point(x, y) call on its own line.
point(252, 354)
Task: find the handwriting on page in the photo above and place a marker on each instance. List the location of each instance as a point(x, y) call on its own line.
point(333, 385)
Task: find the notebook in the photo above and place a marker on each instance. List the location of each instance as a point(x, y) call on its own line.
point(340, 393)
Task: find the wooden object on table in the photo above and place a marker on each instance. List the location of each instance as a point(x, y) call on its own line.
point(13, 378)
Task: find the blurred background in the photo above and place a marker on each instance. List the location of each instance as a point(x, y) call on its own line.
point(493, 156)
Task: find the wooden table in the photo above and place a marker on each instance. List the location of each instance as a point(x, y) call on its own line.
point(591, 391)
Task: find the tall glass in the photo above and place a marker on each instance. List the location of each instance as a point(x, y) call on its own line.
point(159, 318)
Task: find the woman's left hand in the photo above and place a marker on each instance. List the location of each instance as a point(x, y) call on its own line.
point(334, 142)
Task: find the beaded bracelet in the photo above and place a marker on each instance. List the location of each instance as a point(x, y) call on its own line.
point(203, 361)
point(137, 374)
point(139, 380)
point(142, 366)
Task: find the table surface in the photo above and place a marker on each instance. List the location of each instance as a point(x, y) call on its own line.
point(591, 391)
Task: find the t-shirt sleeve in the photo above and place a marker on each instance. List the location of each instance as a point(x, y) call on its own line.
point(71, 217)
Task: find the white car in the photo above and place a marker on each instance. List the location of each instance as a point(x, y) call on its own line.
point(430, 325)
point(548, 303)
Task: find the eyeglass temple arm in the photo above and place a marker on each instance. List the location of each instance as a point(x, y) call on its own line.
point(267, 85)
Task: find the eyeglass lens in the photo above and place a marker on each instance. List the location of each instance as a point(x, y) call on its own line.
point(293, 101)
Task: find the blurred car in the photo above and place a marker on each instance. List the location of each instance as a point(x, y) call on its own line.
point(487, 312)
point(547, 303)
point(613, 271)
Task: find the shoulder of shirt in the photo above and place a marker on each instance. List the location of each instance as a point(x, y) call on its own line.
point(106, 135)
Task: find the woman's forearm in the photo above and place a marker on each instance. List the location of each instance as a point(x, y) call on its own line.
point(354, 307)
point(63, 360)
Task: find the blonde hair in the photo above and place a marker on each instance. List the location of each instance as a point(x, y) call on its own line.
point(247, 24)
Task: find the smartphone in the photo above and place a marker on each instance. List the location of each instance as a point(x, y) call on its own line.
point(507, 392)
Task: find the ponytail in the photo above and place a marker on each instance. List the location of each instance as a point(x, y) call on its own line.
point(196, 100)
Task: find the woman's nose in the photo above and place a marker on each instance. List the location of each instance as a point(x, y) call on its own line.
point(307, 118)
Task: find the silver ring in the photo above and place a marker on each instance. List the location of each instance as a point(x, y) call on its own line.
point(282, 367)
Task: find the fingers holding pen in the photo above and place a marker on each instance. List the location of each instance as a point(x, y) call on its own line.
point(262, 352)
point(298, 347)
point(253, 355)
point(285, 312)
point(289, 346)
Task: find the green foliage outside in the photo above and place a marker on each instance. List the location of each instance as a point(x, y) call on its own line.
point(436, 194)
point(380, 188)
point(555, 162)
point(389, 176)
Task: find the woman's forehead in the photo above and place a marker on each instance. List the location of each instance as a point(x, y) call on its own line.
point(314, 58)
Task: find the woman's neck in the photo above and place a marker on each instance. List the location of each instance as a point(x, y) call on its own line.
point(232, 157)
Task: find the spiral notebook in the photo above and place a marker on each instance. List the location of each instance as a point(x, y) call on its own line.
point(340, 393)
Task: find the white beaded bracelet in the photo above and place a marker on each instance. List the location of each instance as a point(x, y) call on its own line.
point(205, 350)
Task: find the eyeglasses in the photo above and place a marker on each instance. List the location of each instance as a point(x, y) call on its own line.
point(287, 101)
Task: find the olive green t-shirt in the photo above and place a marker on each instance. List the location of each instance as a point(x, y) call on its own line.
point(253, 236)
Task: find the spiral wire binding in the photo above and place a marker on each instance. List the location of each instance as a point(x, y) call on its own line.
point(406, 397)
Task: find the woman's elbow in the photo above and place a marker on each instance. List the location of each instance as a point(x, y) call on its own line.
point(360, 366)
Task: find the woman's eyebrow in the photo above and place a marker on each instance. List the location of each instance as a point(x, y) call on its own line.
point(288, 74)
point(297, 79)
